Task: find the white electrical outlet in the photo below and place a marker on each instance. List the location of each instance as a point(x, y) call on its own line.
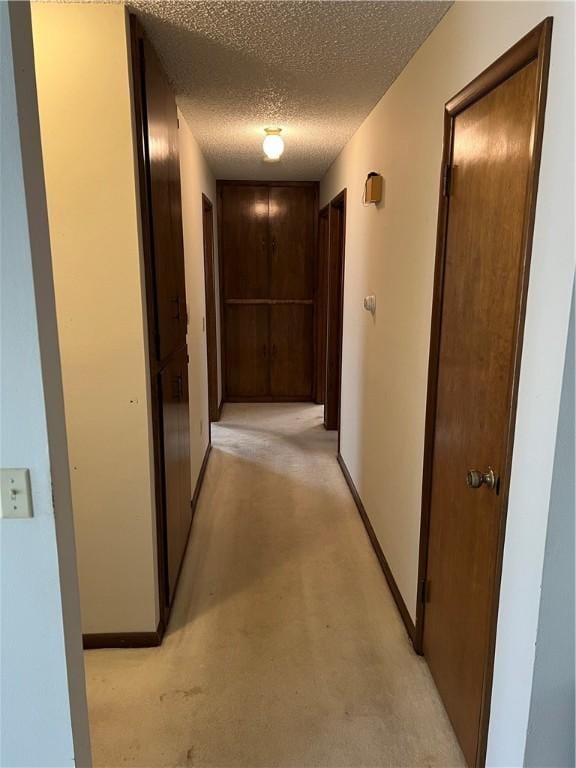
point(15, 493)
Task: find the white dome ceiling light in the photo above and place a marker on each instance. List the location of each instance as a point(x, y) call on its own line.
point(273, 145)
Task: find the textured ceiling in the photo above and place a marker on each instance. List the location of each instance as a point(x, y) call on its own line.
point(315, 69)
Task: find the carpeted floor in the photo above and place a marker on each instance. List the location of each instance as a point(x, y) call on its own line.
point(285, 647)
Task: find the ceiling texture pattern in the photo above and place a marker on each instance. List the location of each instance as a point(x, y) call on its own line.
point(315, 69)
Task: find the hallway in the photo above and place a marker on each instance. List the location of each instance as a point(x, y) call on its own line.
point(285, 647)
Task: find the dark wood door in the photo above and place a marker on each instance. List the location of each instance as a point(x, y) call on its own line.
point(335, 310)
point(291, 350)
point(164, 212)
point(488, 210)
point(292, 242)
point(268, 242)
point(161, 213)
point(210, 298)
point(176, 461)
point(244, 238)
point(321, 308)
point(247, 350)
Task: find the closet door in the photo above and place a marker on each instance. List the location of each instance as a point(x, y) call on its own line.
point(185, 473)
point(247, 351)
point(245, 242)
point(292, 242)
point(162, 236)
point(292, 273)
point(176, 453)
point(164, 207)
point(292, 351)
point(268, 238)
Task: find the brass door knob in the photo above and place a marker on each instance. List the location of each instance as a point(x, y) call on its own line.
point(475, 479)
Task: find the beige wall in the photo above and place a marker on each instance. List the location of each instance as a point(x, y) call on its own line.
point(83, 80)
point(390, 251)
point(196, 179)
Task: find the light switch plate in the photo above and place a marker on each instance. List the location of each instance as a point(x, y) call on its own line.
point(15, 493)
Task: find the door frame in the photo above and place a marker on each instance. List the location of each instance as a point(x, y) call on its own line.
point(534, 46)
point(210, 299)
point(335, 315)
point(321, 308)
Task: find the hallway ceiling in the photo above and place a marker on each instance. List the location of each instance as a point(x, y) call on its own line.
point(316, 69)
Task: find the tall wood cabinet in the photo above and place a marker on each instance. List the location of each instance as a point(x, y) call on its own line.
point(159, 177)
point(268, 257)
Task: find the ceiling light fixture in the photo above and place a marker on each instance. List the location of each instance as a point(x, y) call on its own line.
point(273, 145)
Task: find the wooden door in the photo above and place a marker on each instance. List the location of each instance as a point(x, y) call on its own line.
point(268, 241)
point(210, 297)
point(164, 213)
point(321, 308)
point(490, 186)
point(245, 242)
point(176, 461)
point(291, 350)
point(292, 241)
point(161, 215)
point(247, 350)
point(335, 310)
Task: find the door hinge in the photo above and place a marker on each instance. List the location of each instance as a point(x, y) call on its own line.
point(424, 591)
point(447, 181)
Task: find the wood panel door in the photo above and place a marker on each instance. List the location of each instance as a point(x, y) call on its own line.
point(490, 187)
point(335, 310)
point(245, 241)
point(321, 308)
point(164, 206)
point(210, 298)
point(291, 350)
point(292, 227)
point(267, 243)
point(247, 350)
point(176, 462)
point(161, 216)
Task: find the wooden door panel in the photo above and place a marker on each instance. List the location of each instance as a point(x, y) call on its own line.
point(292, 242)
point(292, 350)
point(172, 464)
point(335, 310)
point(162, 239)
point(481, 294)
point(321, 309)
point(244, 240)
point(185, 473)
point(210, 299)
point(247, 350)
point(164, 201)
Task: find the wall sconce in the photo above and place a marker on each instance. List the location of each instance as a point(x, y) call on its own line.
point(370, 304)
point(373, 188)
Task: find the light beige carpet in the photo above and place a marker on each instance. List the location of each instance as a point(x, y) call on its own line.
point(285, 647)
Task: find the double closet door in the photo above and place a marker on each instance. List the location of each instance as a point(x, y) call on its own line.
point(268, 247)
point(159, 169)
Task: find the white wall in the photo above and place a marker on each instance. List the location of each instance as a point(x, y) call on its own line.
point(196, 179)
point(390, 251)
point(550, 741)
point(82, 58)
point(43, 714)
